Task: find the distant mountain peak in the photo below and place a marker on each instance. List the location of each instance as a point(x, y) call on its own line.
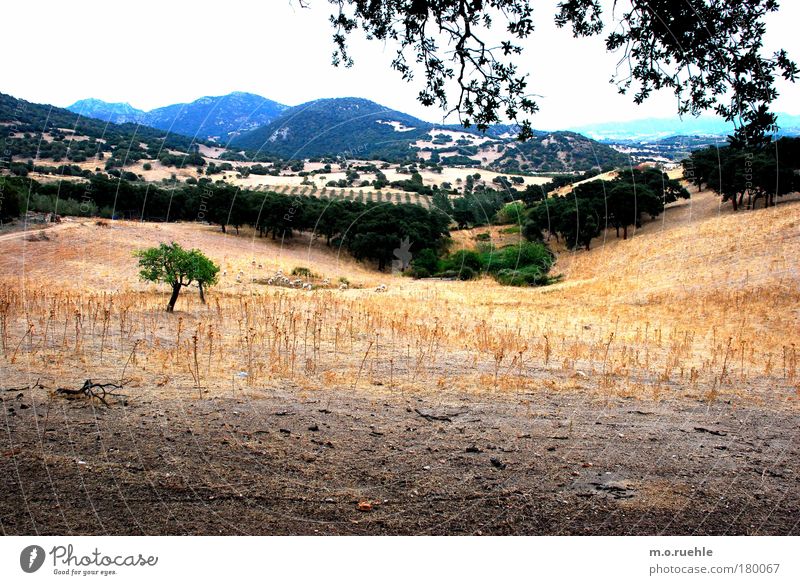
point(208, 117)
point(117, 112)
point(338, 126)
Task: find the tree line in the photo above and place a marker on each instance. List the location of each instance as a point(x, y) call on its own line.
point(582, 215)
point(368, 231)
point(744, 175)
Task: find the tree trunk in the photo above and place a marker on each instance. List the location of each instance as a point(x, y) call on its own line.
point(624, 232)
point(176, 289)
point(202, 295)
point(617, 230)
point(223, 229)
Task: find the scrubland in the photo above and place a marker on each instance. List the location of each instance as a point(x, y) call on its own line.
point(657, 375)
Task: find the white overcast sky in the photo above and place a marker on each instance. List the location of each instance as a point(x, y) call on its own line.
point(155, 53)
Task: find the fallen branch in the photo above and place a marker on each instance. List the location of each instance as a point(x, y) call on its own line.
point(24, 388)
point(93, 390)
point(441, 417)
point(710, 432)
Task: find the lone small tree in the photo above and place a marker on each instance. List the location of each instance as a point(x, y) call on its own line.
point(171, 264)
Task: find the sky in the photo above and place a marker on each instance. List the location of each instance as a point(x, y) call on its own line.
point(155, 53)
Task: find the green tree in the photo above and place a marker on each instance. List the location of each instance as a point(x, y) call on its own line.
point(177, 267)
point(745, 175)
point(12, 192)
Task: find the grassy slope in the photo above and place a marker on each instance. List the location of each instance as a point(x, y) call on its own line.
point(696, 300)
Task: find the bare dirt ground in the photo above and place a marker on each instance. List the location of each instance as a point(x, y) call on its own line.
point(284, 461)
point(653, 391)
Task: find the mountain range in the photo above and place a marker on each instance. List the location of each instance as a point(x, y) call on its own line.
point(217, 118)
point(255, 127)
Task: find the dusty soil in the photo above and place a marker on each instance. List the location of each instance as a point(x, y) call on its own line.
point(285, 460)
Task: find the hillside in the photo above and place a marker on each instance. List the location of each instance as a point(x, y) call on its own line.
point(39, 131)
point(568, 409)
point(358, 128)
point(558, 151)
point(219, 117)
point(349, 127)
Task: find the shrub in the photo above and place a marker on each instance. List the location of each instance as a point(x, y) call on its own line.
point(426, 260)
point(466, 273)
point(303, 271)
point(463, 259)
point(527, 276)
point(512, 212)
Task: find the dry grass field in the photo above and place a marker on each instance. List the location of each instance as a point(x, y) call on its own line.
point(653, 390)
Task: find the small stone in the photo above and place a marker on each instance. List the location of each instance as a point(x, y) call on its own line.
point(497, 463)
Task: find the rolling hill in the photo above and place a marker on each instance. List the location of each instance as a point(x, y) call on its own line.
point(218, 118)
point(359, 128)
point(558, 151)
point(40, 131)
point(353, 128)
point(350, 127)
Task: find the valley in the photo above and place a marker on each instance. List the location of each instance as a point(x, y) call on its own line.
point(652, 391)
point(405, 328)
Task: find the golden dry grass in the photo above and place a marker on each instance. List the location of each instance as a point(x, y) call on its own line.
point(702, 303)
